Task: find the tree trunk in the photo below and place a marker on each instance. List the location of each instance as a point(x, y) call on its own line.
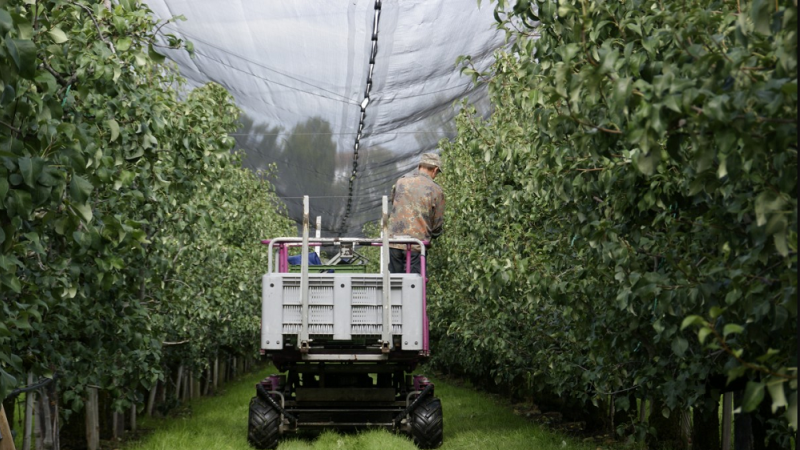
point(133, 417)
point(117, 425)
point(28, 425)
point(742, 426)
point(705, 433)
point(178, 384)
point(47, 437)
point(760, 427)
point(668, 429)
point(92, 420)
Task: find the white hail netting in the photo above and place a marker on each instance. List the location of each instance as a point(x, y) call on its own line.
point(300, 70)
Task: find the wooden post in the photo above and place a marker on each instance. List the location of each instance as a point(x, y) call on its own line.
point(28, 425)
point(178, 391)
point(216, 372)
point(133, 417)
point(92, 420)
point(46, 419)
point(151, 399)
point(117, 424)
point(44, 438)
point(727, 410)
point(195, 386)
point(7, 442)
point(187, 389)
point(643, 409)
point(235, 368)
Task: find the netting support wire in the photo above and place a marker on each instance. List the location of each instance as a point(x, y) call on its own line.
point(364, 104)
point(40, 384)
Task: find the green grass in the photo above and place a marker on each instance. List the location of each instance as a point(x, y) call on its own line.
point(472, 420)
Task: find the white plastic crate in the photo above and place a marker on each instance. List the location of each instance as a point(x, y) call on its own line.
point(341, 307)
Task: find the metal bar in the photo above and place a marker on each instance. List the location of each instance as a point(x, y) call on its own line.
point(347, 357)
point(423, 272)
point(318, 234)
point(303, 337)
point(284, 255)
point(386, 331)
point(262, 393)
point(298, 241)
point(304, 410)
point(343, 424)
point(414, 404)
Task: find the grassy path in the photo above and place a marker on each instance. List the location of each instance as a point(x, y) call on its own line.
point(472, 420)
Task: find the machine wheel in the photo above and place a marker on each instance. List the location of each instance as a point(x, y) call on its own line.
point(427, 427)
point(263, 425)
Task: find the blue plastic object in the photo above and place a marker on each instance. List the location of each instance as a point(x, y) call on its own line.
point(313, 259)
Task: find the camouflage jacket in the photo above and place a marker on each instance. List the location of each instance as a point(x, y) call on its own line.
point(417, 208)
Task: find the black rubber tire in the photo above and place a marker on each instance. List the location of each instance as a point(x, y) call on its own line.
point(427, 424)
point(263, 425)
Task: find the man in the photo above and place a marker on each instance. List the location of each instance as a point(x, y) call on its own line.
point(417, 211)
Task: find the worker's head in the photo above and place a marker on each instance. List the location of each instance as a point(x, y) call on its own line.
point(430, 164)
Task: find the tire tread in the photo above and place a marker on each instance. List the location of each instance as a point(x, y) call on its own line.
point(427, 424)
point(263, 428)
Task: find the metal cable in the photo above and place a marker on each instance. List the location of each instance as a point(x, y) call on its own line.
point(364, 103)
point(40, 384)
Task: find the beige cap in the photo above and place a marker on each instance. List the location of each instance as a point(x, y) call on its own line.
point(431, 159)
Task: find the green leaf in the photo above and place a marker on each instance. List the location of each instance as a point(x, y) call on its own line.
point(692, 320)
point(715, 312)
point(114, 127)
point(6, 23)
point(154, 55)
point(703, 334)
point(671, 102)
point(679, 345)
point(767, 202)
point(26, 169)
point(776, 393)
point(84, 210)
point(647, 162)
point(732, 328)
point(58, 35)
point(753, 395)
point(780, 243)
point(23, 52)
point(123, 44)
point(80, 188)
point(13, 283)
point(8, 95)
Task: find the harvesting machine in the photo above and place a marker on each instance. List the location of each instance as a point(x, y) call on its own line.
point(346, 342)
